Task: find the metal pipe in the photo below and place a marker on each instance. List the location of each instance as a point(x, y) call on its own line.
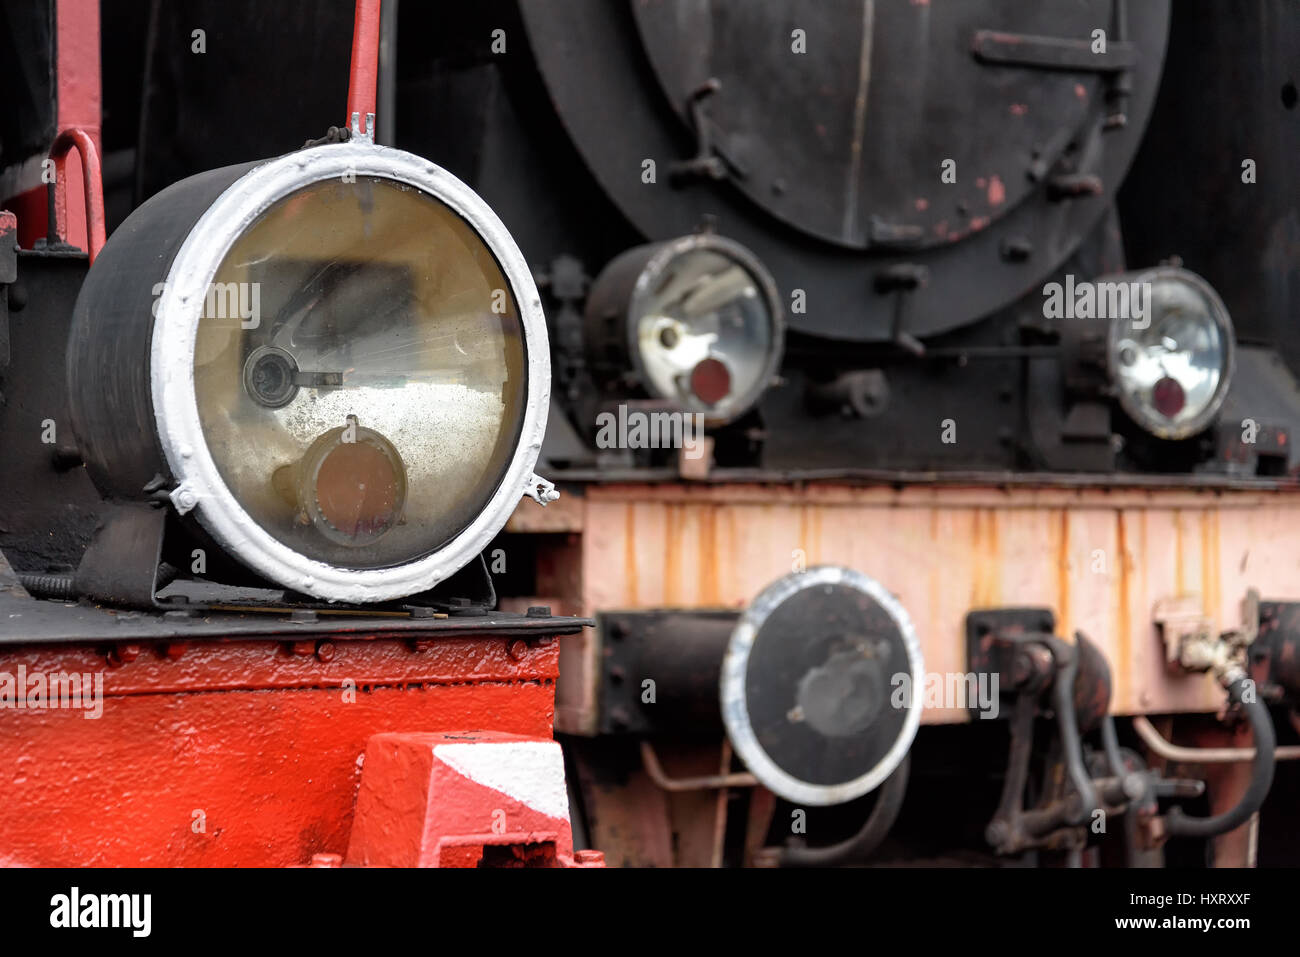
point(386, 102)
point(1067, 657)
point(879, 822)
point(1110, 742)
point(1261, 776)
point(707, 782)
point(1174, 752)
point(364, 76)
point(48, 586)
point(92, 183)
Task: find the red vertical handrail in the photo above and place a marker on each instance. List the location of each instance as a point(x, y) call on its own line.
point(365, 62)
point(92, 183)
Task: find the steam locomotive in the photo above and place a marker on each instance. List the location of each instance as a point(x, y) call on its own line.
point(915, 380)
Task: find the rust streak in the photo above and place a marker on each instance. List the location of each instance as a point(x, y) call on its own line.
point(709, 556)
point(1063, 574)
point(672, 544)
point(1180, 583)
point(1123, 627)
point(815, 531)
point(1210, 562)
point(995, 549)
point(935, 566)
point(629, 553)
point(803, 535)
point(986, 556)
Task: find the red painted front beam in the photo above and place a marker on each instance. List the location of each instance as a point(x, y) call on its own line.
point(237, 754)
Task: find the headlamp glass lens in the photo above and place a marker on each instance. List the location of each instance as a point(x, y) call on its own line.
point(704, 332)
point(360, 372)
point(1169, 373)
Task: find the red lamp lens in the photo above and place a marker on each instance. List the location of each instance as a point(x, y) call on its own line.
point(1168, 397)
point(710, 381)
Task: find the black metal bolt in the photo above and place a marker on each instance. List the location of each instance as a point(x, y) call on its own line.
point(1017, 249)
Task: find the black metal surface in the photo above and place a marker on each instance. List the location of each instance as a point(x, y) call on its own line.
point(29, 621)
point(793, 132)
point(855, 99)
point(108, 369)
point(121, 563)
point(1006, 384)
point(1275, 654)
point(681, 652)
point(996, 645)
point(272, 75)
point(1185, 195)
point(8, 273)
point(1053, 53)
point(50, 505)
point(1003, 481)
point(27, 52)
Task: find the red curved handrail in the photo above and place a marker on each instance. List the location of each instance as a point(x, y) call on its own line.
point(92, 182)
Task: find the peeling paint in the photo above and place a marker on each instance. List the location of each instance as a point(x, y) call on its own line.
point(997, 192)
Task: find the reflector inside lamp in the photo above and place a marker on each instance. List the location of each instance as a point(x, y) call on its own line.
point(705, 327)
point(360, 372)
point(1171, 370)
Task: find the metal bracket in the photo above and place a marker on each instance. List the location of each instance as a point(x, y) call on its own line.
point(901, 280)
point(540, 490)
point(706, 163)
point(1190, 641)
point(8, 275)
point(1019, 643)
point(1051, 53)
point(368, 134)
point(120, 566)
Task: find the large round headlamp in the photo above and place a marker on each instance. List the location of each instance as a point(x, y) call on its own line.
point(1171, 366)
point(698, 319)
point(336, 361)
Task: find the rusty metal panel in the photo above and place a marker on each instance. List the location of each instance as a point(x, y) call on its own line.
point(1101, 558)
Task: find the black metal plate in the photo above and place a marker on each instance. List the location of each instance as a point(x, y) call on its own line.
point(818, 685)
point(595, 69)
point(851, 132)
point(26, 621)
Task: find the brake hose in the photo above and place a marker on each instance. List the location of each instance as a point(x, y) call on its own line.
point(1261, 775)
point(882, 817)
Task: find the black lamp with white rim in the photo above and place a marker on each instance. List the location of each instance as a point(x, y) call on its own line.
point(697, 321)
point(820, 686)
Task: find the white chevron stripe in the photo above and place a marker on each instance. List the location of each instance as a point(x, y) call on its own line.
point(531, 772)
